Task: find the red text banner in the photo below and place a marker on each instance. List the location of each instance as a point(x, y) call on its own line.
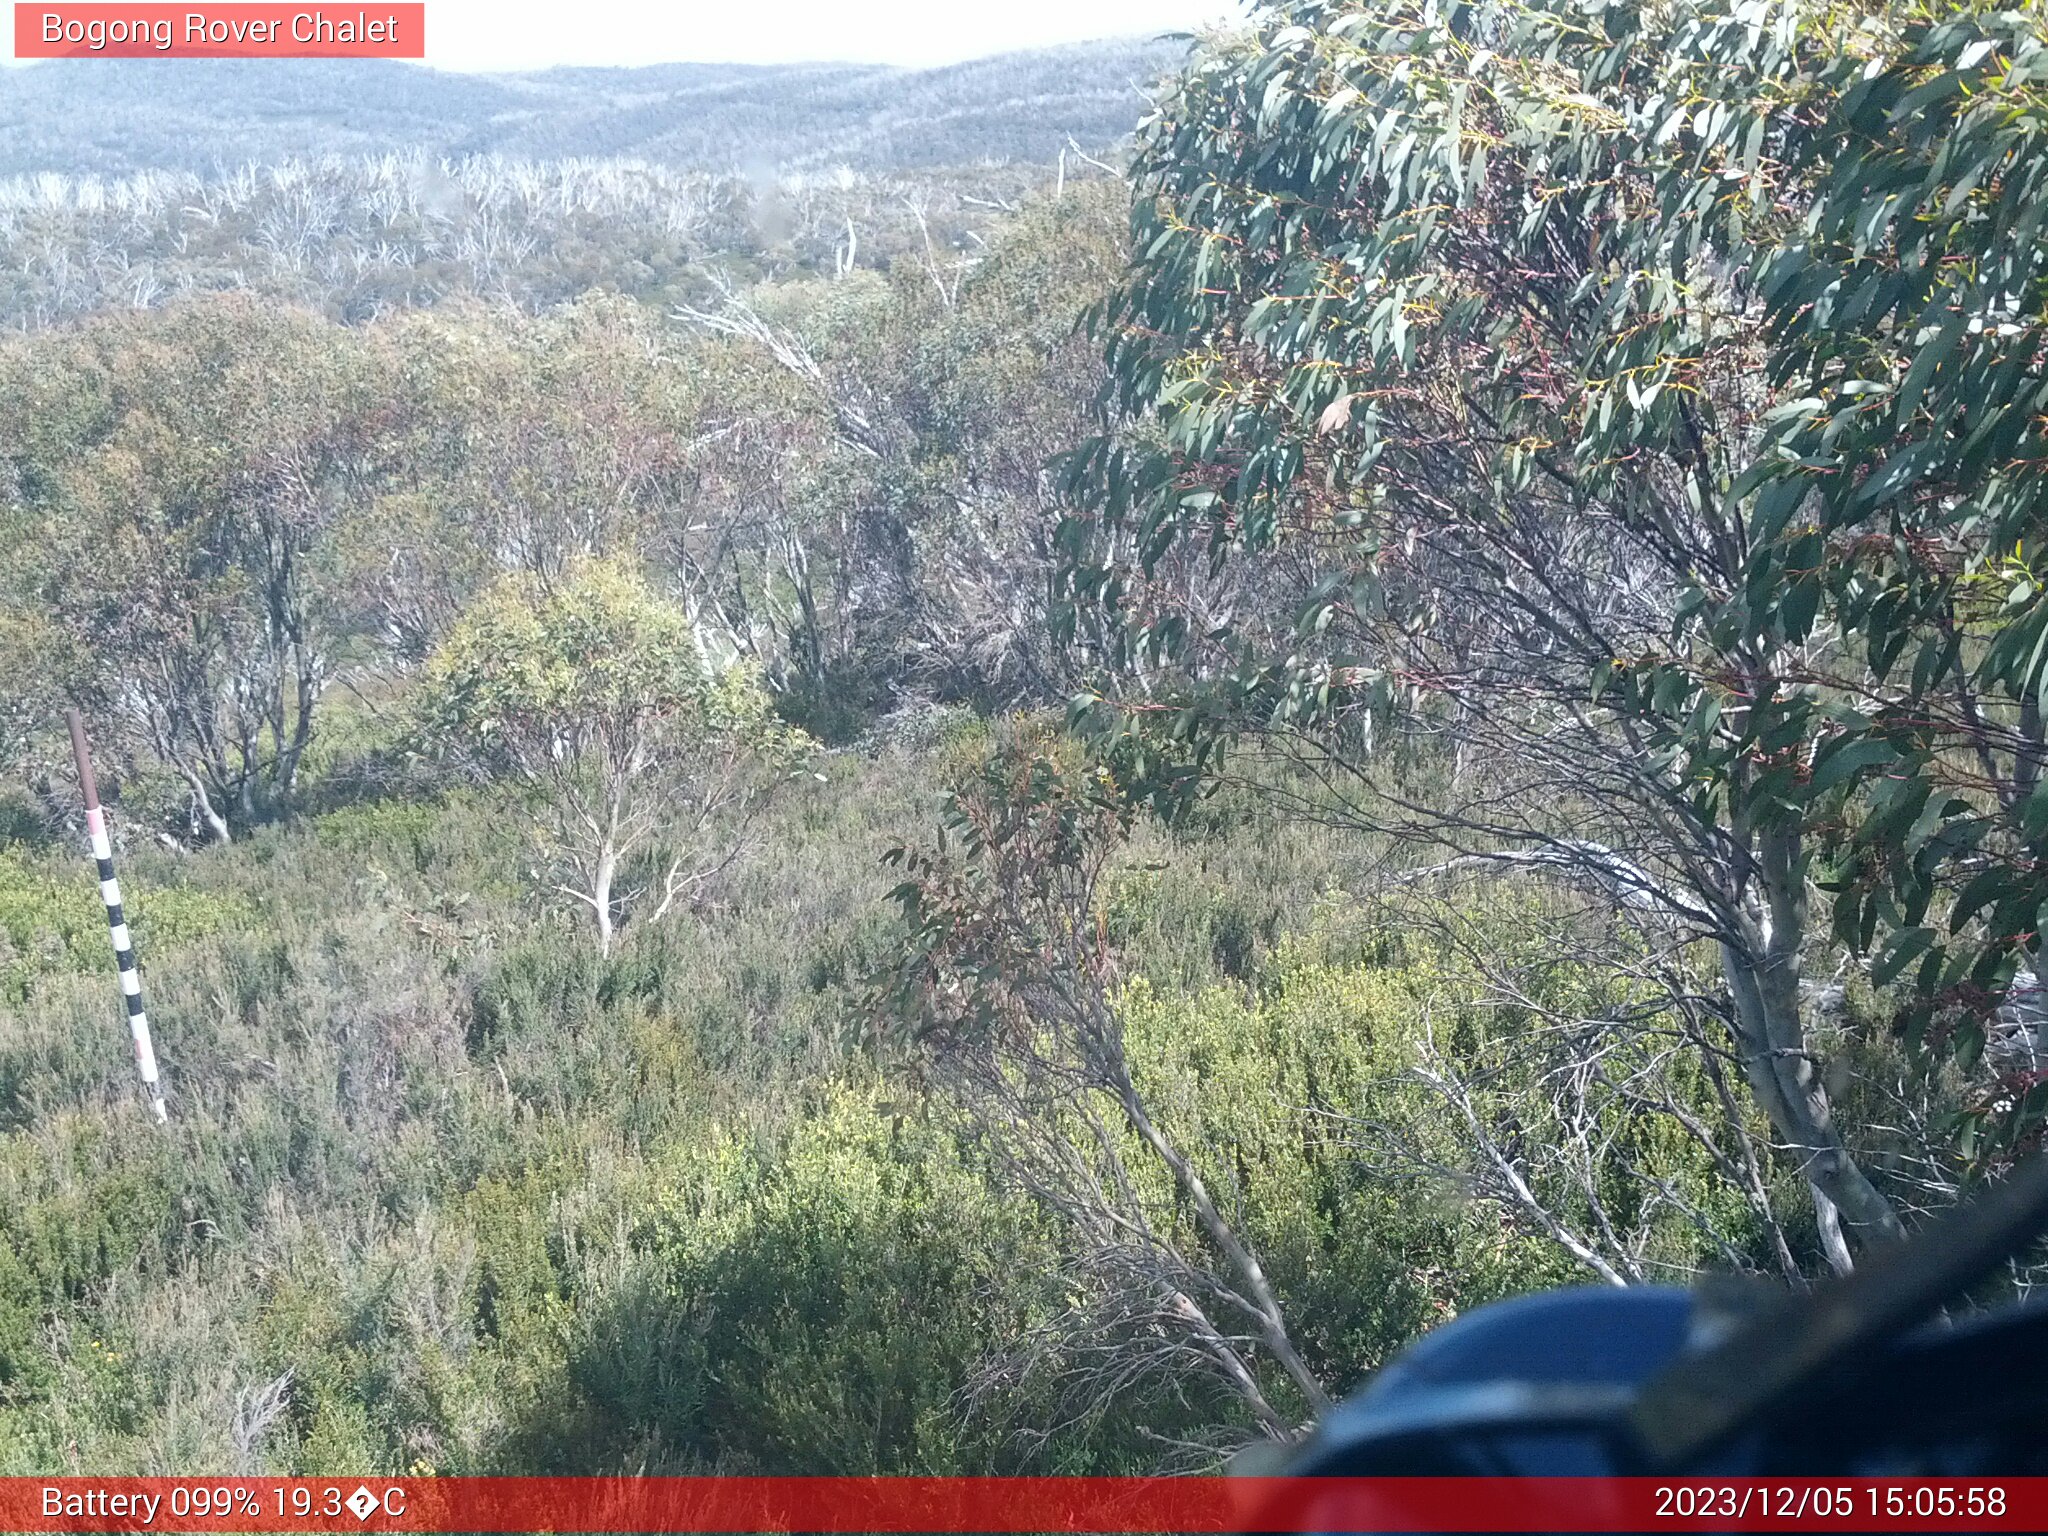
point(1108, 1505)
point(232, 31)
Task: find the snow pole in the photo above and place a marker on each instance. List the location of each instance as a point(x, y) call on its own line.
point(117, 922)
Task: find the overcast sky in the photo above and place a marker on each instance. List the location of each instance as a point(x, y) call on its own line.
point(533, 34)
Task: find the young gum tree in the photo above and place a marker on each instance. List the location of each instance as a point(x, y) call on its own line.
point(1009, 993)
point(594, 693)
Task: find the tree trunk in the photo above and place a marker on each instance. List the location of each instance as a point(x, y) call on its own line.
point(1763, 978)
point(601, 896)
point(203, 803)
point(1264, 1305)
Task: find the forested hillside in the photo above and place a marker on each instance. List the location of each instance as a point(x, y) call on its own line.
point(207, 115)
point(1018, 819)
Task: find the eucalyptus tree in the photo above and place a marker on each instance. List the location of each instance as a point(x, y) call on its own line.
point(594, 694)
point(170, 489)
point(1643, 404)
point(869, 509)
point(513, 443)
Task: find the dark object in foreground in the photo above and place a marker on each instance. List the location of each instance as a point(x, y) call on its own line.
point(1859, 1377)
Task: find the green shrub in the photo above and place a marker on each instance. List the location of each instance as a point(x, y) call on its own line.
point(502, 1204)
point(51, 917)
point(818, 1299)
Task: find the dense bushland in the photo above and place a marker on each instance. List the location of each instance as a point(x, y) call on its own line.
point(485, 1200)
point(842, 479)
point(1537, 545)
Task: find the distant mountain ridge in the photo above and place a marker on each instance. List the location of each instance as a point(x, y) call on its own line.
point(112, 117)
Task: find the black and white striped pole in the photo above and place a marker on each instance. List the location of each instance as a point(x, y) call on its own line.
point(117, 921)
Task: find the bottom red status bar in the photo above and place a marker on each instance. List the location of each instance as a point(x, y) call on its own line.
point(1021, 1504)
